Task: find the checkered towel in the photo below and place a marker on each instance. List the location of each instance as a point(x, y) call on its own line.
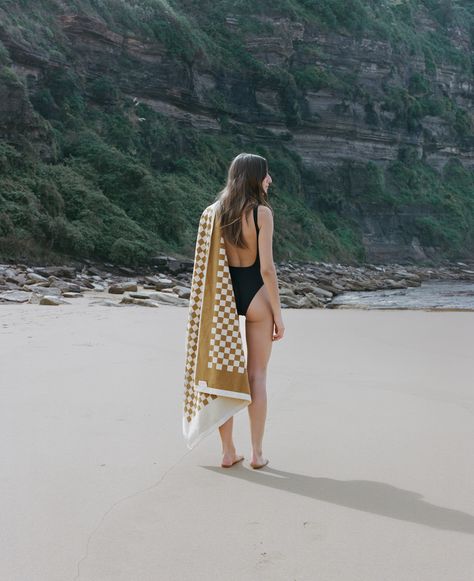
point(216, 381)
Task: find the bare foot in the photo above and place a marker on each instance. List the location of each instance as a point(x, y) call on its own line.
point(230, 459)
point(258, 462)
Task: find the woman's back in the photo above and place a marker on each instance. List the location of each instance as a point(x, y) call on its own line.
point(245, 257)
point(244, 264)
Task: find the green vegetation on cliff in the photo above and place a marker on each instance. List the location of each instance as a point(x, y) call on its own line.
point(88, 171)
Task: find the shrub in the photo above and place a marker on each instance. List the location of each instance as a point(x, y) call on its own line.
point(128, 252)
point(43, 101)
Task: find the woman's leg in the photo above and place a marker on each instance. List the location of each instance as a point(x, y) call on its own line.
point(258, 331)
point(229, 455)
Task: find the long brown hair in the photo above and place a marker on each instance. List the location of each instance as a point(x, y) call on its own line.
point(242, 190)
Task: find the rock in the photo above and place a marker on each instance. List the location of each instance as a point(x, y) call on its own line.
point(7, 272)
point(301, 284)
point(159, 283)
point(168, 298)
point(285, 291)
point(44, 290)
point(99, 287)
point(332, 287)
point(17, 280)
point(172, 264)
point(57, 271)
point(33, 277)
point(390, 283)
point(15, 296)
point(65, 286)
point(308, 302)
point(52, 300)
point(315, 301)
point(320, 292)
point(93, 272)
point(303, 288)
point(409, 276)
point(86, 283)
point(143, 302)
point(412, 282)
point(360, 285)
point(32, 284)
point(35, 299)
point(126, 270)
point(106, 303)
point(141, 295)
point(120, 288)
point(183, 292)
point(288, 301)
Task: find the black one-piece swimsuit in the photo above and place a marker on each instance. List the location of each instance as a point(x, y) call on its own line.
point(246, 280)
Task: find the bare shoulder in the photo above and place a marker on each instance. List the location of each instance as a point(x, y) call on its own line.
point(264, 215)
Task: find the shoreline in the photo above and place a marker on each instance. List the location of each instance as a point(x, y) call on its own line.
point(301, 284)
point(427, 309)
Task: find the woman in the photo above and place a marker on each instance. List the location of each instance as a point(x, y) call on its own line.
point(246, 220)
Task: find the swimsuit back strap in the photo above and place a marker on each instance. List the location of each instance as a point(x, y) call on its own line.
point(255, 210)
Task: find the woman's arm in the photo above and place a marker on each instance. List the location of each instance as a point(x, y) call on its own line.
point(267, 266)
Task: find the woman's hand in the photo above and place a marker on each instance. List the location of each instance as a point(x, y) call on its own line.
point(279, 329)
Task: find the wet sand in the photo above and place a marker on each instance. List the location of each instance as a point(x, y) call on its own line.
point(370, 436)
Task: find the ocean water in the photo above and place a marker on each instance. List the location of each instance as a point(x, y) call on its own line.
point(429, 295)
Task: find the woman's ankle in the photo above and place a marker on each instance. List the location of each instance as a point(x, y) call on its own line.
point(228, 449)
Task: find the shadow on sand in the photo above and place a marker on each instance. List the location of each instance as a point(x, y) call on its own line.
point(368, 496)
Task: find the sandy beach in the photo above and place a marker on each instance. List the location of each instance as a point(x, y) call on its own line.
point(370, 437)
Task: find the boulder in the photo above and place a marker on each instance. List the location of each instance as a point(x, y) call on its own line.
point(52, 300)
point(143, 302)
point(121, 287)
point(15, 296)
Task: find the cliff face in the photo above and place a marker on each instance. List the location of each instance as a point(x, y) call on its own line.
point(18, 121)
point(353, 112)
point(336, 128)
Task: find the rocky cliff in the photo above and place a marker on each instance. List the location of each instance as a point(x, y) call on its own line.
point(357, 112)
